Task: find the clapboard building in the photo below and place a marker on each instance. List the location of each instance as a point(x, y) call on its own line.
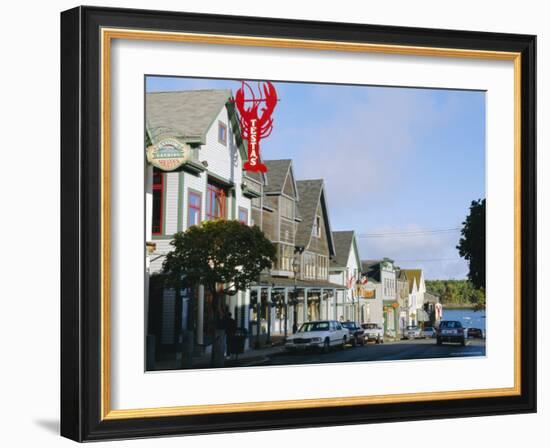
point(295, 218)
point(210, 184)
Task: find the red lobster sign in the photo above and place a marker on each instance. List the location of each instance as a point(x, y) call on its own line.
point(256, 122)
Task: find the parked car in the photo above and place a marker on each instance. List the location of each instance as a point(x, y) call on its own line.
point(356, 333)
point(451, 331)
point(321, 334)
point(412, 332)
point(373, 332)
point(475, 333)
point(428, 332)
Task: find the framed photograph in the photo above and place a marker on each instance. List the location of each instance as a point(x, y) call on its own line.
point(272, 223)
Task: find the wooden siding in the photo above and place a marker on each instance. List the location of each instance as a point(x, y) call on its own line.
point(223, 160)
point(319, 245)
point(171, 202)
point(288, 188)
point(256, 215)
point(268, 224)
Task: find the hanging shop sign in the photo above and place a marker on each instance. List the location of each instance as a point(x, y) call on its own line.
point(168, 154)
point(368, 294)
point(255, 119)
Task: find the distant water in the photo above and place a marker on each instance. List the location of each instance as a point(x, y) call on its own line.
point(467, 317)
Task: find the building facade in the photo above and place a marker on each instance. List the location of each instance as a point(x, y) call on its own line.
point(417, 289)
point(384, 272)
point(370, 292)
point(345, 270)
point(210, 184)
point(297, 289)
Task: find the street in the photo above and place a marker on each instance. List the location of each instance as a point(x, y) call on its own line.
point(399, 350)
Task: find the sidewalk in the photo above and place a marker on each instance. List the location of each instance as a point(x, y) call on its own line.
point(251, 357)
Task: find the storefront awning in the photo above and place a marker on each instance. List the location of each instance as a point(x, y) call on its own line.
point(286, 282)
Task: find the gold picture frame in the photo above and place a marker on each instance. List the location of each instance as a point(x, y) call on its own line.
point(109, 25)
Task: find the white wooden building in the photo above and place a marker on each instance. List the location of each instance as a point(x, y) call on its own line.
point(345, 270)
point(210, 184)
point(417, 289)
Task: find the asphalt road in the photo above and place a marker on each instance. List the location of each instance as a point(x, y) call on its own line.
point(400, 350)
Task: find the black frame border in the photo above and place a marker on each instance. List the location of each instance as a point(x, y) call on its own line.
point(81, 223)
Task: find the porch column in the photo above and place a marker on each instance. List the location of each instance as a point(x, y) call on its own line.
point(200, 316)
point(269, 309)
point(335, 297)
point(286, 312)
point(324, 314)
point(305, 306)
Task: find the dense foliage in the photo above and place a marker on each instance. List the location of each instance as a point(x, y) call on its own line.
point(457, 292)
point(472, 243)
point(224, 256)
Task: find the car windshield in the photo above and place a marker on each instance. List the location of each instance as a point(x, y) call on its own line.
point(450, 324)
point(349, 325)
point(369, 326)
point(428, 329)
point(314, 326)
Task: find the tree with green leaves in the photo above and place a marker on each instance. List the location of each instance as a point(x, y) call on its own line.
point(222, 255)
point(457, 293)
point(472, 243)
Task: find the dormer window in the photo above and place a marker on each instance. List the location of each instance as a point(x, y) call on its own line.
point(222, 133)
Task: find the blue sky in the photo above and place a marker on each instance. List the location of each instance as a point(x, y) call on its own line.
point(394, 160)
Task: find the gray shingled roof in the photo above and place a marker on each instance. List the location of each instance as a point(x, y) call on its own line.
point(309, 192)
point(276, 174)
point(186, 115)
point(342, 245)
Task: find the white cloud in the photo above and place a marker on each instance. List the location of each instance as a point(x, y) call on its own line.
point(365, 142)
point(435, 253)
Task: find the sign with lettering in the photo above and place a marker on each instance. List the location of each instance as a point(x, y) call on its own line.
point(366, 292)
point(168, 154)
point(256, 122)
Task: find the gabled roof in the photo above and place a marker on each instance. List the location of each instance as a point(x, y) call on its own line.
point(311, 194)
point(342, 245)
point(402, 275)
point(430, 298)
point(277, 172)
point(412, 275)
point(186, 115)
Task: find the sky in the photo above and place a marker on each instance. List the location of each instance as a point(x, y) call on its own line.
point(400, 165)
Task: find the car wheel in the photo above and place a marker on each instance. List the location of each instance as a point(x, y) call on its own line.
point(344, 341)
point(438, 341)
point(354, 342)
point(463, 342)
point(326, 345)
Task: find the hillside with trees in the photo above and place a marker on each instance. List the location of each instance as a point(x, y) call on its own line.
point(457, 293)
